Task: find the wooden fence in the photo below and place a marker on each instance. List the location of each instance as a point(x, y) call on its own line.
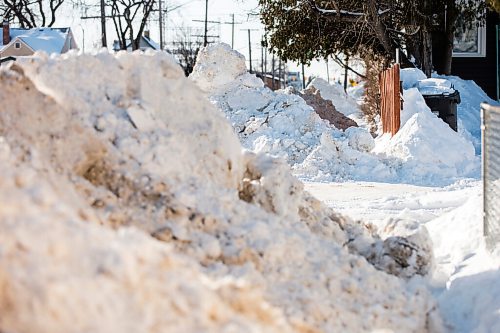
point(390, 100)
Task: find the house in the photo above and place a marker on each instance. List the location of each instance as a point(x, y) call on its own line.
point(475, 55)
point(145, 43)
point(16, 42)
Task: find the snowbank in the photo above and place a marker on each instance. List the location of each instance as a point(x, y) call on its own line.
point(468, 274)
point(428, 148)
point(129, 206)
point(411, 76)
point(469, 115)
point(283, 125)
point(471, 95)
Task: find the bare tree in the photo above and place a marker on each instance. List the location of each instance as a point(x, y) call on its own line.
point(31, 13)
point(185, 48)
point(130, 18)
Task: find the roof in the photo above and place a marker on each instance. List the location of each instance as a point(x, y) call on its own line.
point(151, 42)
point(9, 58)
point(50, 40)
point(148, 41)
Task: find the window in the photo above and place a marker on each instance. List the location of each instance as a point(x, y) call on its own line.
point(17, 45)
point(469, 41)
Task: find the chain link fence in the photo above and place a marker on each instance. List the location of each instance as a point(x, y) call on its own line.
point(490, 116)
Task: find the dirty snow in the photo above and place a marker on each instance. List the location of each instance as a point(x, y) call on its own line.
point(335, 92)
point(465, 276)
point(425, 152)
point(128, 205)
point(130, 199)
point(283, 125)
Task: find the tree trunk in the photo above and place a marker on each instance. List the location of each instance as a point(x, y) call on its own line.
point(426, 52)
point(451, 19)
point(380, 29)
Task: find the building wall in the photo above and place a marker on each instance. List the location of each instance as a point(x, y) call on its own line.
point(70, 42)
point(483, 70)
point(12, 51)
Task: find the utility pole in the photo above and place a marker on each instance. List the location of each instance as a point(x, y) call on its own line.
point(205, 41)
point(279, 73)
point(262, 59)
point(205, 35)
point(233, 23)
point(272, 74)
point(250, 47)
point(327, 70)
point(250, 50)
point(160, 19)
point(345, 72)
point(102, 17)
point(103, 24)
point(303, 77)
point(232, 31)
point(265, 60)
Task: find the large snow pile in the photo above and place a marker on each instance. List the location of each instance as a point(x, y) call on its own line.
point(471, 96)
point(127, 205)
point(469, 116)
point(467, 274)
point(283, 125)
point(427, 146)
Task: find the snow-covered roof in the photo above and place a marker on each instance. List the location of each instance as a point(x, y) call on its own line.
point(146, 40)
point(50, 40)
point(152, 43)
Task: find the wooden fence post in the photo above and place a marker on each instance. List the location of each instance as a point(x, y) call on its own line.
point(390, 103)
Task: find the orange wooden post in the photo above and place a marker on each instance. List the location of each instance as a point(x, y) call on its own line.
point(390, 104)
point(396, 118)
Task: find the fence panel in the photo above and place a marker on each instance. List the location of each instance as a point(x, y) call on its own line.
point(390, 100)
point(491, 173)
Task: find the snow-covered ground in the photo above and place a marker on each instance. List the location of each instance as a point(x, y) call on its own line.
point(466, 275)
point(128, 204)
point(426, 175)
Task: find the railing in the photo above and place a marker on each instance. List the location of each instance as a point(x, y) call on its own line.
point(390, 100)
point(490, 118)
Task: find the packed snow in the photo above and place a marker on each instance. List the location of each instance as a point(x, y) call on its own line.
point(128, 205)
point(465, 275)
point(283, 125)
point(426, 151)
